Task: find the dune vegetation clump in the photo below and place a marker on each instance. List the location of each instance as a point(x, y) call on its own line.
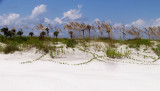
point(112, 53)
point(157, 50)
point(11, 48)
point(1, 48)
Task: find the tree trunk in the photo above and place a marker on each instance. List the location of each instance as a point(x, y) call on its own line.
point(71, 36)
point(83, 33)
point(89, 33)
point(101, 33)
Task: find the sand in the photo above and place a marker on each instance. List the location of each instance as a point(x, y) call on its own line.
point(44, 75)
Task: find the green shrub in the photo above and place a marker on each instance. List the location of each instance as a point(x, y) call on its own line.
point(138, 42)
point(112, 53)
point(1, 48)
point(51, 54)
point(71, 43)
point(10, 48)
point(135, 43)
point(127, 53)
point(157, 50)
point(3, 39)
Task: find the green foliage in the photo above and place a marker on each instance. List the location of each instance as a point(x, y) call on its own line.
point(138, 42)
point(10, 48)
point(127, 53)
point(71, 43)
point(26, 42)
point(31, 34)
point(112, 53)
point(20, 33)
point(18, 40)
point(1, 48)
point(135, 43)
point(157, 50)
point(56, 34)
point(51, 54)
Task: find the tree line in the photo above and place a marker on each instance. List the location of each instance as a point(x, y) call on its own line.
point(101, 28)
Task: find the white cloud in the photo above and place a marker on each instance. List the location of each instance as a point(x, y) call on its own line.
point(117, 25)
point(137, 23)
point(96, 20)
point(47, 20)
point(33, 19)
point(141, 23)
point(58, 20)
point(156, 22)
point(73, 14)
point(38, 11)
point(8, 19)
point(53, 22)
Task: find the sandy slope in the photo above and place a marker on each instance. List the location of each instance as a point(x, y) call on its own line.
point(44, 75)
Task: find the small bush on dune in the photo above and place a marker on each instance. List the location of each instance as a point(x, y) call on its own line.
point(135, 43)
point(1, 48)
point(112, 53)
point(3, 39)
point(10, 48)
point(14, 43)
point(71, 43)
point(45, 48)
point(104, 38)
point(51, 54)
point(20, 39)
point(157, 50)
point(139, 42)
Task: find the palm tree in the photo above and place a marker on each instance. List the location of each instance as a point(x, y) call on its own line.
point(153, 31)
point(108, 29)
point(76, 27)
point(69, 28)
point(82, 27)
point(123, 30)
point(20, 32)
point(88, 27)
point(71, 34)
point(47, 30)
point(136, 32)
point(5, 31)
point(50, 26)
point(42, 35)
point(147, 32)
point(99, 28)
point(13, 32)
point(56, 34)
point(31, 34)
point(10, 34)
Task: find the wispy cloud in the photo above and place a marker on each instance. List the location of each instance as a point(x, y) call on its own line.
point(70, 15)
point(8, 19)
point(38, 11)
point(137, 23)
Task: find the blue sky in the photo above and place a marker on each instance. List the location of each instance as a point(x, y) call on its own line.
point(126, 12)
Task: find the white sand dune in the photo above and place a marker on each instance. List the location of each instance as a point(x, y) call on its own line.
point(44, 75)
